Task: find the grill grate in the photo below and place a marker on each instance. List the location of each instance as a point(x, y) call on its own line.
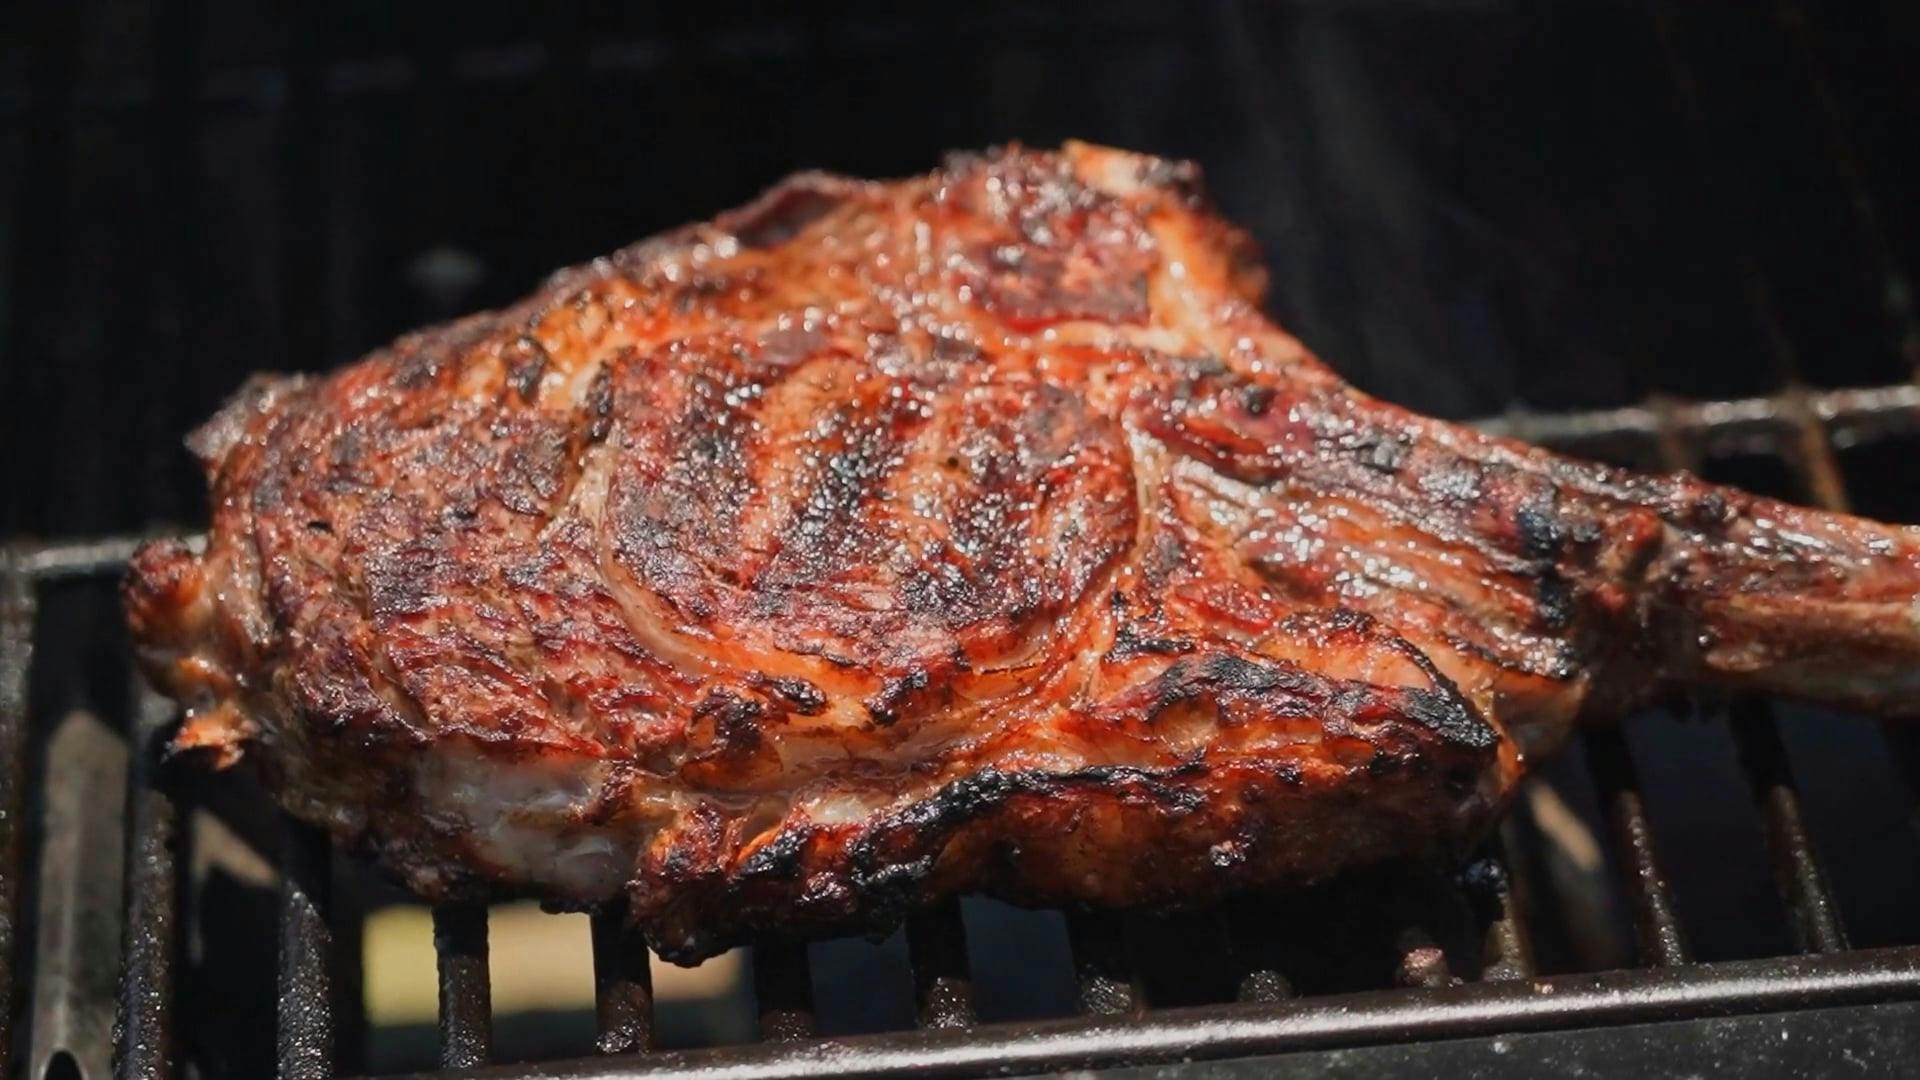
point(622, 983)
point(1434, 995)
point(16, 656)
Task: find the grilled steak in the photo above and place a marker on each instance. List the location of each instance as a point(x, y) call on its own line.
point(881, 541)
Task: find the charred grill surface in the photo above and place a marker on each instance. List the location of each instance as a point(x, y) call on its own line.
point(881, 541)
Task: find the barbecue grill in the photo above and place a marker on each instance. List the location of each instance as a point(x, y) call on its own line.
point(101, 883)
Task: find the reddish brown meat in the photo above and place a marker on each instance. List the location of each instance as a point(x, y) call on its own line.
point(880, 541)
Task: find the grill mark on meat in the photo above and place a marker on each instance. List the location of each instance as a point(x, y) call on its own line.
point(1537, 593)
point(851, 450)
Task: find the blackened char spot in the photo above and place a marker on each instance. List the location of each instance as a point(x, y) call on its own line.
point(884, 706)
point(1233, 673)
point(1129, 642)
point(1553, 598)
point(799, 694)
point(1449, 716)
point(1385, 764)
point(695, 851)
point(737, 727)
point(1386, 454)
point(1542, 535)
point(1711, 510)
point(889, 861)
point(526, 363)
point(779, 858)
point(401, 582)
point(1215, 677)
point(1346, 620)
point(598, 405)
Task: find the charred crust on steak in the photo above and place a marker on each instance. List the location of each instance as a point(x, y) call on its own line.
point(884, 707)
point(1131, 641)
point(799, 694)
point(527, 363)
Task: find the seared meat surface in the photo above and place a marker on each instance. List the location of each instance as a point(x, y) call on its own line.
point(881, 541)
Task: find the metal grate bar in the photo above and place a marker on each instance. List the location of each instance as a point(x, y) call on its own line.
point(1229, 1031)
point(783, 990)
point(1256, 948)
point(347, 923)
point(466, 998)
point(16, 657)
point(304, 1037)
point(347, 918)
point(1506, 949)
point(622, 985)
point(1109, 985)
point(1878, 410)
point(92, 557)
point(1796, 868)
point(77, 915)
point(145, 1046)
point(1650, 895)
point(1814, 459)
point(942, 980)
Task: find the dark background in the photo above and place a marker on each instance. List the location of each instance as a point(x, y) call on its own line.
point(1464, 203)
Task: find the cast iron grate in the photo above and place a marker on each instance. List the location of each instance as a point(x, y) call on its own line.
point(1434, 992)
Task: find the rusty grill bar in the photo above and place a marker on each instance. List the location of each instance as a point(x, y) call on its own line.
point(1119, 1022)
point(16, 657)
point(305, 1039)
point(622, 986)
point(145, 1047)
point(466, 1001)
point(942, 981)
